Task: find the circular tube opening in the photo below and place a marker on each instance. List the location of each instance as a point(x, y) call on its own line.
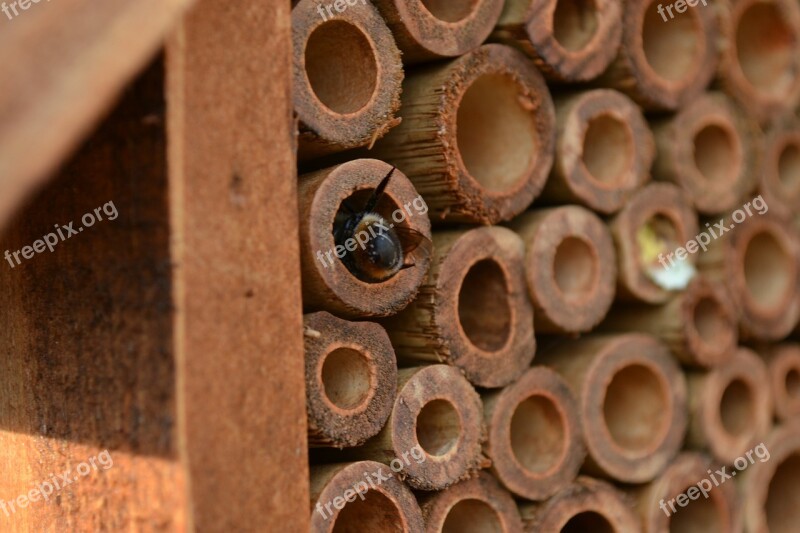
point(736, 408)
point(449, 10)
point(765, 48)
point(792, 382)
point(699, 516)
point(575, 267)
point(710, 321)
point(438, 427)
point(588, 521)
point(538, 435)
point(767, 270)
point(483, 308)
point(608, 150)
point(472, 516)
point(331, 50)
point(789, 167)
point(715, 154)
point(346, 378)
point(635, 409)
point(375, 512)
point(783, 513)
point(496, 135)
point(574, 23)
point(671, 47)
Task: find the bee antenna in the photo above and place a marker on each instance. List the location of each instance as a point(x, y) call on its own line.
point(378, 192)
point(408, 266)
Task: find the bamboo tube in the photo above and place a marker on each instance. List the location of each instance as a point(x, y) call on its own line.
point(347, 497)
point(587, 505)
point(477, 135)
point(340, 107)
point(434, 29)
point(327, 282)
point(730, 406)
point(779, 178)
point(477, 505)
point(699, 325)
point(660, 512)
point(570, 266)
point(473, 310)
point(604, 150)
point(632, 402)
point(760, 64)
point(351, 375)
point(771, 485)
point(759, 260)
point(657, 220)
point(535, 441)
point(709, 148)
point(664, 64)
point(783, 366)
point(569, 41)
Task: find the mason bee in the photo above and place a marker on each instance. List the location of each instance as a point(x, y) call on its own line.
point(383, 246)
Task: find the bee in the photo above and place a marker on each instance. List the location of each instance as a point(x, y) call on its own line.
point(387, 246)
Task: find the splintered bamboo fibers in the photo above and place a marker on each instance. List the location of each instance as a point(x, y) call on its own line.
point(570, 266)
point(569, 40)
point(664, 64)
point(772, 485)
point(718, 511)
point(657, 220)
point(783, 365)
point(730, 405)
point(632, 402)
point(473, 310)
point(604, 150)
point(351, 377)
point(779, 178)
point(587, 505)
point(477, 135)
point(347, 498)
point(760, 64)
point(347, 78)
point(699, 324)
point(759, 260)
point(709, 149)
point(477, 505)
point(327, 282)
point(535, 441)
point(431, 29)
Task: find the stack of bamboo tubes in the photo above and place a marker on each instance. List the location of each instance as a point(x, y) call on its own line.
point(564, 357)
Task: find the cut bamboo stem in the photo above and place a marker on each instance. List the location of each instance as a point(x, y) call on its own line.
point(664, 63)
point(569, 41)
point(730, 405)
point(709, 148)
point(535, 440)
point(434, 29)
point(604, 150)
point(361, 496)
point(783, 365)
point(587, 505)
point(351, 380)
point(570, 266)
point(340, 107)
point(327, 282)
point(477, 135)
point(632, 402)
point(473, 310)
point(779, 177)
point(479, 504)
point(700, 324)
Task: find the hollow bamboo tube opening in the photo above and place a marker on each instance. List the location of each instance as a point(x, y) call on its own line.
point(345, 498)
point(477, 505)
point(535, 440)
point(569, 267)
point(340, 107)
point(477, 135)
point(732, 407)
point(709, 150)
point(783, 365)
point(779, 179)
point(473, 311)
point(327, 281)
point(351, 374)
point(431, 29)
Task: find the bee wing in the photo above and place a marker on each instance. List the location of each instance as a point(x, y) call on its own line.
point(412, 239)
